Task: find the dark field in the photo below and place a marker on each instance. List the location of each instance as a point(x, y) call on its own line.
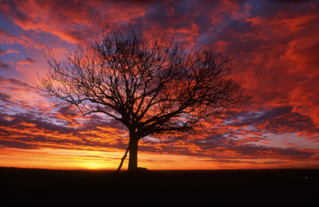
point(26, 187)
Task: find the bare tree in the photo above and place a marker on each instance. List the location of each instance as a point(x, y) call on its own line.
point(153, 86)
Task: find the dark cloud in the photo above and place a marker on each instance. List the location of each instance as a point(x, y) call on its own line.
point(4, 66)
point(20, 145)
point(245, 151)
point(274, 162)
point(248, 118)
point(1, 52)
point(33, 130)
point(15, 12)
point(30, 60)
point(5, 97)
point(68, 110)
point(27, 61)
point(36, 130)
point(261, 151)
point(5, 81)
point(278, 121)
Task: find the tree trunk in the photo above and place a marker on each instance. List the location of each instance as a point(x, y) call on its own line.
point(119, 168)
point(133, 145)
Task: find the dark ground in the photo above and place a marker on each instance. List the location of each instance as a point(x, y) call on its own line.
point(38, 187)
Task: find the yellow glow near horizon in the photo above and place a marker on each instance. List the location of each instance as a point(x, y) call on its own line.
point(98, 160)
point(93, 166)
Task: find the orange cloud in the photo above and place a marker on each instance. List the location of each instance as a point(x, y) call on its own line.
point(12, 51)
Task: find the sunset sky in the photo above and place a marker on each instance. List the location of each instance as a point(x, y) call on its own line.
point(274, 45)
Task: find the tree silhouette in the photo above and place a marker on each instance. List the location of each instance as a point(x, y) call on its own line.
point(154, 86)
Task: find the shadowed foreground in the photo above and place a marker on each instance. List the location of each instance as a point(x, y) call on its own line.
point(160, 188)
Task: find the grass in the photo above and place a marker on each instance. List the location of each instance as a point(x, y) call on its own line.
point(39, 187)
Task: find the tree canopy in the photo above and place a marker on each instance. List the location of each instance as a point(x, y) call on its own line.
point(154, 86)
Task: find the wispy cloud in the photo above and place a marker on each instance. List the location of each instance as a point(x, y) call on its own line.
point(12, 51)
point(4, 66)
point(1, 52)
point(27, 61)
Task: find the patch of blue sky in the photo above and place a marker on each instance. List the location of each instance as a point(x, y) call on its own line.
point(255, 4)
point(7, 24)
point(52, 41)
point(203, 39)
point(11, 110)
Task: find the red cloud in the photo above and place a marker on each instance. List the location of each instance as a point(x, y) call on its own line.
point(12, 51)
point(72, 22)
